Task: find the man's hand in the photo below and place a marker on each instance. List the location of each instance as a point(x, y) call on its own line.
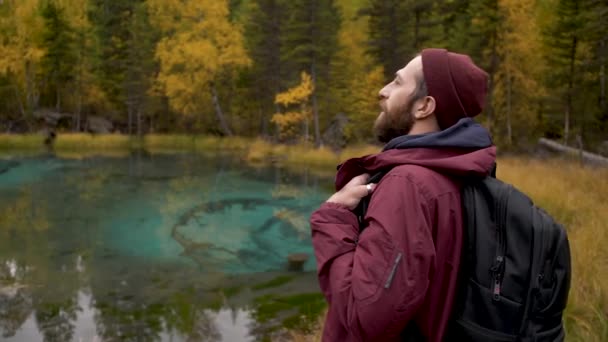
point(352, 193)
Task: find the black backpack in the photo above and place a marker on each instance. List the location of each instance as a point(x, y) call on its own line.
point(515, 269)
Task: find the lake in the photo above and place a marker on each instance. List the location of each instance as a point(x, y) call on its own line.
point(154, 247)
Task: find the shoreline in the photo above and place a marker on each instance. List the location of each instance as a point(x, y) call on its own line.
point(254, 151)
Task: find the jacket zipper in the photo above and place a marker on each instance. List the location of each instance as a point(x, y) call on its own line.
point(388, 282)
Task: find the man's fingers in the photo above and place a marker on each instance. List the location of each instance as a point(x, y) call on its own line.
point(364, 190)
point(370, 187)
point(359, 180)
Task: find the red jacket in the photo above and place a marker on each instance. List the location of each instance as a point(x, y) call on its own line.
point(404, 265)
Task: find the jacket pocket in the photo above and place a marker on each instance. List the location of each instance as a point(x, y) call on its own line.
point(375, 266)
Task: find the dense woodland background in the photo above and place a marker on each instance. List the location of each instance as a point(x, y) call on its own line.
point(295, 70)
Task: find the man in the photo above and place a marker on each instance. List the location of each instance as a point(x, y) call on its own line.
point(401, 271)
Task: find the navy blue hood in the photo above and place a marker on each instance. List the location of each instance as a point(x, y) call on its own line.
point(466, 133)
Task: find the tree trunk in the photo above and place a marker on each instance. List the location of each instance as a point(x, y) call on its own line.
point(306, 124)
point(570, 90)
point(130, 119)
point(58, 99)
point(603, 74)
point(315, 109)
point(416, 28)
point(587, 156)
point(492, 72)
point(29, 89)
point(79, 84)
point(313, 75)
point(138, 122)
point(218, 112)
point(78, 112)
point(509, 100)
point(18, 97)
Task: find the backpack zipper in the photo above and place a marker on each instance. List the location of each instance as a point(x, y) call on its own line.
point(497, 268)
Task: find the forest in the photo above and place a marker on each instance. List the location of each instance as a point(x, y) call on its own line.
point(294, 70)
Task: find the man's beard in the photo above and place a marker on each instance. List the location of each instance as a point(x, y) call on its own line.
point(391, 125)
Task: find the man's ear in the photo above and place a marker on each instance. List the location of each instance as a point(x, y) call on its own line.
point(424, 107)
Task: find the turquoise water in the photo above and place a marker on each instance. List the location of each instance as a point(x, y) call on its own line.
point(169, 247)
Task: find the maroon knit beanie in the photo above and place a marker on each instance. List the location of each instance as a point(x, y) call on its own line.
point(457, 84)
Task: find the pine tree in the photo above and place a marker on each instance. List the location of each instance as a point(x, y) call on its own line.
point(562, 47)
point(263, 40)
point(390, 34)
point(58, 43)
point(140, 65)
point(518, 83)
point(455, 23)
point(355, 77)
point(308, 44)
point(125, 54)
point(483, 44)
point(595, 18)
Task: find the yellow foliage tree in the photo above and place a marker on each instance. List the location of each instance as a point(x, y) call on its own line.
point(20, 26)
point(298, 96)
point(199, 42)
point(361, 78)
point(518, 77)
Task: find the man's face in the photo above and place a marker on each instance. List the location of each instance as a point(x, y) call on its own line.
point(397, 101)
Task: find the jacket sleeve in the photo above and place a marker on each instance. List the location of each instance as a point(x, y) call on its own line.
point(375, 281)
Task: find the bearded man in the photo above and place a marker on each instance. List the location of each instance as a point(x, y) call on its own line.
point(399, 275)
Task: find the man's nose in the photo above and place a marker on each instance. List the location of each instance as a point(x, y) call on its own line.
point(383, 94)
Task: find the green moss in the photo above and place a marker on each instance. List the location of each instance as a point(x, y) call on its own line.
point(268, 306)
point(307, 308)
point(275, 282)
point(308, 313)
point(231, 291)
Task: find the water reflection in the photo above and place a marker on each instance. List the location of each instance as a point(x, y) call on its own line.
point(224, 324)
point(153, 248)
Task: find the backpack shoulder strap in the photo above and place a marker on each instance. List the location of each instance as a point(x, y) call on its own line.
point(493, 170)
point(362, 207)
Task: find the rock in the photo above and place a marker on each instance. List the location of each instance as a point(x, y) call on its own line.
point(334, 134)
point(603, 148)
point(296, 261)
point(97, 124)
point(50, 117)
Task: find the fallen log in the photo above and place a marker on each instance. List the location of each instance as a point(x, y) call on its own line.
point(575, 152)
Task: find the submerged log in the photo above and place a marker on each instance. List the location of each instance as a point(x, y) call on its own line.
point(584, 155)
point(296, 261)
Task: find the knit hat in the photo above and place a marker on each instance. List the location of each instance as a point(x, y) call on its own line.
point(457, 84)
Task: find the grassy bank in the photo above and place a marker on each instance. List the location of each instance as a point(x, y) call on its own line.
point(578, 197)
point(89, 143)
point(254, 151)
